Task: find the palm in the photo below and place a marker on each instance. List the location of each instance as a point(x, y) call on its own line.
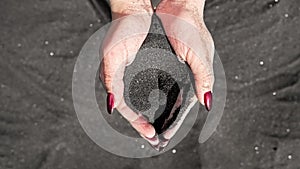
point(191, 40)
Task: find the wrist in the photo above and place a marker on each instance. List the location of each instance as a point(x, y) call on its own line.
point(130, 7)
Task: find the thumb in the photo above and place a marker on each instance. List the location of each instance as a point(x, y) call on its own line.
point(202, 70)
point(112, 69)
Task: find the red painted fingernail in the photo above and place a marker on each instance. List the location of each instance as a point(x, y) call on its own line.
point(208, 100)
point(110, 101)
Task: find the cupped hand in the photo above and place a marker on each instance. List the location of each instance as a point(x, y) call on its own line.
point(132, 20)
point(192, 42)
point(184, 25)
point(189, 37)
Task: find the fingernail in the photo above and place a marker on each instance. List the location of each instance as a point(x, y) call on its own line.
point(110, 102)
point(154, 138)
point(164, 142)
point(157, 147)
point(208, 100)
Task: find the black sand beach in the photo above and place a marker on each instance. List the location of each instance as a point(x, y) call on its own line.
point(257, 41)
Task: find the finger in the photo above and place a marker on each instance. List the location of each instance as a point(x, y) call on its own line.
point(168, 134)
point(165, 141)
point(202, 69)
point(204, 78)
point(176, 105)
point(113, 67)
point(112, 72)
point(145, 129)
point(193, 44)
point(119, 49)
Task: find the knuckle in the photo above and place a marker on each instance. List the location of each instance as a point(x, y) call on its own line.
point(207, 82)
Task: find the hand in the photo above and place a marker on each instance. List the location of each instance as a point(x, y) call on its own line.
point(184, 25)
point(122, 42)
point(193, 44)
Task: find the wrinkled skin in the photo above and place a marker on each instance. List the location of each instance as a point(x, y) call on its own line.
point(119, 51)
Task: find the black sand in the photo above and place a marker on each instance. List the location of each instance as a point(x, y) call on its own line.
point(260, 126)
point(154, 80)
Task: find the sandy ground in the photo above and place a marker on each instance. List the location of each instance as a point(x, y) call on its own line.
point(259, 48)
